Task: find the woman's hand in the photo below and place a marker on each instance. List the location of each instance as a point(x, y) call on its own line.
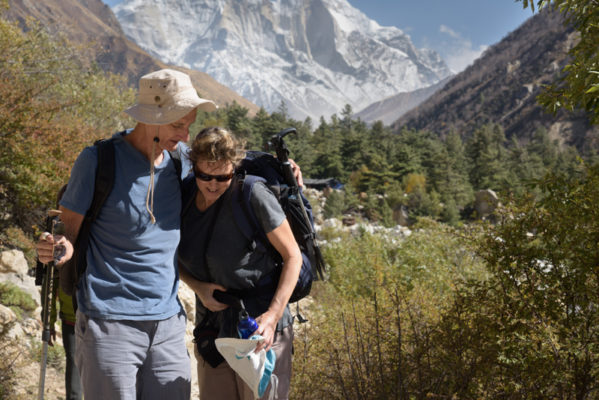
point(48, 245)
point(283, 241)
point(267, 326)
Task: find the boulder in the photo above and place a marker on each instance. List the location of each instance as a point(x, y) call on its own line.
point(485, 202)
point(333, 223)
point(400, 216)
point(188, 299)
point(14, 269)
point(348, 220)
point(7, 315)
point(13, 261)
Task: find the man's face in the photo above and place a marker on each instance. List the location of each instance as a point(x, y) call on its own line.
point(176, 132)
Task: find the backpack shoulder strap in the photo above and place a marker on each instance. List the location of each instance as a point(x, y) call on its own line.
point(102, 188)
point(188, 194)
point(104, 177)
point(176, 157)
point(243, 212)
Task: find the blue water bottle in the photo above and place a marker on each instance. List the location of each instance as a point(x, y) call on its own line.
point(246, 325)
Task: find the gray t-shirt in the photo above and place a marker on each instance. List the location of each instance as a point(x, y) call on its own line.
point(227, 257)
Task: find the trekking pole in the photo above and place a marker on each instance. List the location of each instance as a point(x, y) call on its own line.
point(48, 299)
point(283, 155)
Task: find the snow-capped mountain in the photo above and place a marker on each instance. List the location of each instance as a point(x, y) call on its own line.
point(313, 55)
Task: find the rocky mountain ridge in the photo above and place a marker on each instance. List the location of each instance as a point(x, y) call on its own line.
point(315, 56)
point(392, 108)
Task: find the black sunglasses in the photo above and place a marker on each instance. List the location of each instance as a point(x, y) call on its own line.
point(207, 177)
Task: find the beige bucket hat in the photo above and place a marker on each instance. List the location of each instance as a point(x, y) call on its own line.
point(166, 96)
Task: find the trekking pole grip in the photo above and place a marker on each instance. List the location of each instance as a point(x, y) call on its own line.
point(283, 155)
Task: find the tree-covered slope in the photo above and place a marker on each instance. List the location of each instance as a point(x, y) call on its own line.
point(502, 87)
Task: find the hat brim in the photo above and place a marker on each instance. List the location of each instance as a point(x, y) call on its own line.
point(154, 115)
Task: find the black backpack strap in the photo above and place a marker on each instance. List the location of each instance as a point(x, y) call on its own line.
point(103, 186)
point(104, 176)
point(176, 157)
point(188, 196)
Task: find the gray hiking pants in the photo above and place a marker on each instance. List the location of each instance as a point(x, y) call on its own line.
point(131, 360)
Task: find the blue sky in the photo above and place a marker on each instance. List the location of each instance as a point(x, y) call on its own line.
point(460, 30)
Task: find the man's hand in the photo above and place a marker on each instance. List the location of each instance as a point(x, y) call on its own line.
point(205, 291)
point(52, 337)
point(297, 173)
point(54, 248)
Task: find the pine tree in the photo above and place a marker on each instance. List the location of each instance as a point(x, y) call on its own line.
point(486, 153)
point(326, 144)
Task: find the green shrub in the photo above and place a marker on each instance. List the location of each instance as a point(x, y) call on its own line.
point(335, 204)
point(538, 310)
point(16, 299)
point(450, 213)
point(371, 323)
point(333, 234)
point(54, 102)
point(55, 357)
point(9, 358)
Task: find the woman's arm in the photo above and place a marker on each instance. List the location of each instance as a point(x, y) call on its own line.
point(204, 290)
point(283, 241)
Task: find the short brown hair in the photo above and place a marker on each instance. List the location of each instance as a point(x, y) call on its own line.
point(216, 144)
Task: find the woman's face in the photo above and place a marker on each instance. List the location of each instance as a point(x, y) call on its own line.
point(213, 178)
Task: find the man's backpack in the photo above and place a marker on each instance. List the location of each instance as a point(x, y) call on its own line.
point(71, 272)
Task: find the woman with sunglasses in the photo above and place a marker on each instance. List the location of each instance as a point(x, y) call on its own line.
point(214, 255)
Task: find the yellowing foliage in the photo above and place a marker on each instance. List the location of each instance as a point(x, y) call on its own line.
point(415, 182)
point(53, 104)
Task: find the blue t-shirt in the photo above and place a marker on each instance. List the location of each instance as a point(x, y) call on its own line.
point(131, 272)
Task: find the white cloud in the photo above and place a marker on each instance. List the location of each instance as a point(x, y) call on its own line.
point(458, 52)
point(449, 31)
point(460, 58)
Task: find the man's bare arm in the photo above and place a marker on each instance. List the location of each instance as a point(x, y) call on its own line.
point(72, 223)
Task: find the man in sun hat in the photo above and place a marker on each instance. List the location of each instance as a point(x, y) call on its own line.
point(130, 329)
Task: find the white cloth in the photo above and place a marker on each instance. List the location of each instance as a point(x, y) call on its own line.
point(254, 368)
